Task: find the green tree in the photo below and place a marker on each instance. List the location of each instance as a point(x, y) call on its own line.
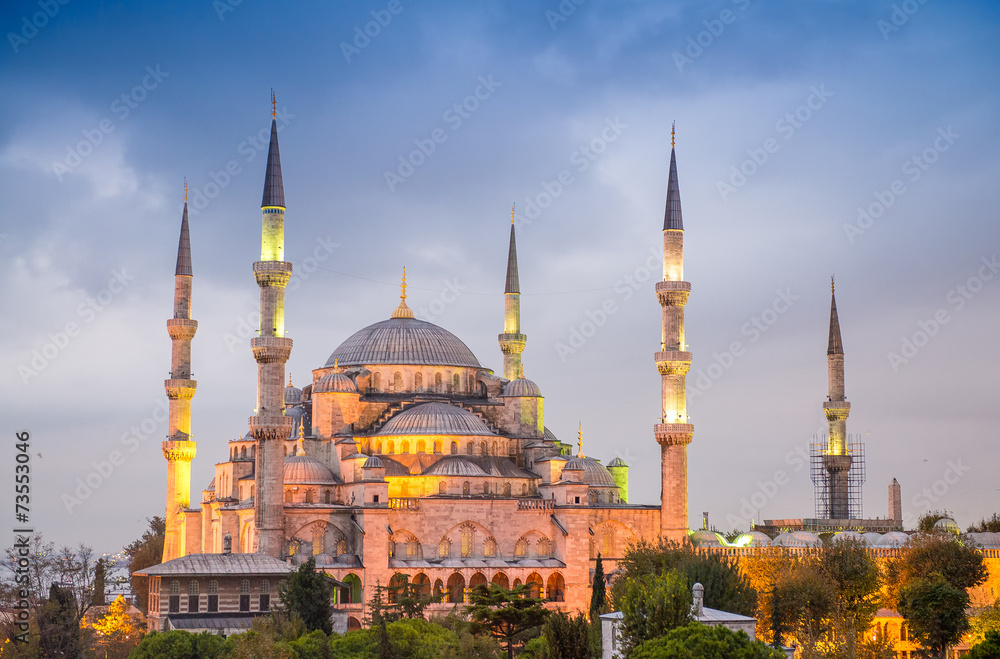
point(142, 553)
point(935, 611)
point(100, 572)
point(988, 648)
point(986, 619)
point(695, 641)
point(652, 606)
point(406, 601)
point(857, 580)
point(306, 593)
point(181, 645)
point(505, 614)
point(929, 553)
point(58, 625)
point(568, 637)
point(598, 591)
point(803, 603)
point(991, 525)
point(927, 521)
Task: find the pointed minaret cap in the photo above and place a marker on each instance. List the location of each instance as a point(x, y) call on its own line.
point(672, 215)
point(403, 311)
point(836, 346)
point(184, 246)
point(512, 286)
point(274, 189)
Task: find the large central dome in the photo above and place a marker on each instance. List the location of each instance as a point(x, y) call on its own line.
point(403, 341)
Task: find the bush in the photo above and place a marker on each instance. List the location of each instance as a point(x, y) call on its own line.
point(181, 645)
point(695, 641)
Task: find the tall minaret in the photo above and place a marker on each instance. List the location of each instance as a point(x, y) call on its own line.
point(512, 341)
point(271, 350)
point(837, 461)
point(673, 432)
point(179, 449)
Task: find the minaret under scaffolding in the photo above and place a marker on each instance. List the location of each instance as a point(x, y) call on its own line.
point(512, 341)
point(179, 449)
point(271, 348)
point(673, 433)
point(837, 460)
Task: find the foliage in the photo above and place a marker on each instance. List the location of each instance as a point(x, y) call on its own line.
point(505, 614)
point(803, 604)
point(985, 620)
point(470, 645)
point(306, 593)
point(118, 631)
point(935, 611)
point(71, 567)
point(927, 521)
point(408, 639)
point(143, 553)
point(929, 553)
point(536, 648)
point(58, 626)
point(181, 645)
point(100, 571)
point(275, 636)
point(988, 648)
point(991, 525)
point(652, 606)
point(857, 581)
point(695, 640)
point(405, 600)
point(598, 591)
point(725, 586)
point(570, 637)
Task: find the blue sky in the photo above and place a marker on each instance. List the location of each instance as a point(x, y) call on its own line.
point(822, 105)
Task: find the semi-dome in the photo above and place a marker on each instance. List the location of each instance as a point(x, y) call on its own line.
point(293, 395)
point(403, 341)
point(521, 387)
point(455, 466)
point(336, 383)
point(435, 419)
point(303, 470)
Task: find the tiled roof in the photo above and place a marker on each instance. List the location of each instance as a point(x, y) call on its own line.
point(435, 419)
point(403, 341)
point(218, 564)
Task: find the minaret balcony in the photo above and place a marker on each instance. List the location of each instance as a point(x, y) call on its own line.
point(672, 362)
point(180, 389)
point(272, 273)
point(673, 433)
point(512, 343)
point(182, 328)
point(268, 349)
point(271, 427)
point(836, 409)
point(179, 450)
point(673, 293)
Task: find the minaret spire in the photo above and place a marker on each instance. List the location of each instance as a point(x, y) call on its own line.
point(271, 348)
point(673, 432)
point(837, 460)
point(512, 342)
point(402, 311)
point(178, 449)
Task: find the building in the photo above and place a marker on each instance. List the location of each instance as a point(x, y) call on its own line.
point(404, 454)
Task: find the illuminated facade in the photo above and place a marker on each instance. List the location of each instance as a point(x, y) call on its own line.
point(404, 454)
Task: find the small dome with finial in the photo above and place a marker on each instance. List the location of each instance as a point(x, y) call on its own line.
point(293, 395)
point(403, 311)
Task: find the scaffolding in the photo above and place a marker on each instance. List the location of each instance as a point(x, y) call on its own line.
point(818, 450)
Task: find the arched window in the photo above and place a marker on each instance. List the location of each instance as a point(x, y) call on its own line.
point(243, 453)
point(442, 488)
point(213, 587)
point(468, 540)
point(470, 448)
point(245, 586)
point(397, 382)
point(524, 489)
point(421, 585)
point(608, 548)
point(390, 446)
point(437, 447)
point(455, 382)
point(466, 488)
point(500, 579)
point(486, 487)
point(418, 381)
point(421, 446)
point(521, 548)
point(404, 447)
point(378, 447)
point(438, 387)
point(482, 449)
point(456, 589)
point(193, 587)
point(326, 496)
point(309, 495)
point(175, 587)
point(341, 546)
point(265, 586)
point(444, 548)
point(454, 448)
point(555, 590)
point(490, 548)
point(495, 448)
point(543, 548)
point(413, 549)
point(377, 381)
point(534, 584)
point(506, 489)
point(392, 549)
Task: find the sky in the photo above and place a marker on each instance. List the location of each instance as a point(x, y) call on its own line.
point(818, 138)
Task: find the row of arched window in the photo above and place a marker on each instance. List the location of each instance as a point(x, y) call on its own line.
point(455, 590)
point(467, 546)
point(309, 495)
point(483, 449)
point(440, 386)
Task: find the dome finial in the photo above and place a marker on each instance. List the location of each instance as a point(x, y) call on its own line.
point(512, 213)
point(185, 189)
point(289, 379)
point(274, 105)
point(402, 296)
point(673, 126)
point(402, 311)
point(335, 362)
point(831, 285)
point(579, 442)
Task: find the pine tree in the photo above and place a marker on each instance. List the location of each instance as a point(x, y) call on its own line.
point(58, 625)
point(307, 593)
point(598, 594)
point(97, 594)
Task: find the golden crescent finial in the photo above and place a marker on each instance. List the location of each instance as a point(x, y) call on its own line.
point(579, 442)
point(512, 213)
point(185, 190)
point(335, 361)
point(831, 284)
point(289, 379)
point(402, 295)
point(673, 126)
point(274, 105)
point(301, 428)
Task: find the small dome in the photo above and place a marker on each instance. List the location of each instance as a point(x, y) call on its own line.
point(617, 462)
point(324, 559)
point(297, 413)
point(455, 466)
point(947, 524)
point(753, 539)
point(211, 486)
point(845, 536)
point(706, 539)
point(893, 540)
point(301, 469)
point(575, 464)
point(293, 395)
point(985, 540)
point(797, 539)
point(335, 382)
point(435, 419)
point(872, 538)
point(521, 387)
point(594, 473)
point(373, 463)
point(549, 435)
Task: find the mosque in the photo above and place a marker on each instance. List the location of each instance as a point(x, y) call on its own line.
point(404, 454)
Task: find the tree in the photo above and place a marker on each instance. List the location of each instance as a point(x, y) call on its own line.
point(505, 614)
point(991, 525)
point(118, 631)
point(803, 603)
point(182, 645)
point(306, 593)
point(929, 553)
point(143, 553)
point(695, 640)
point(988, 648)
point(927, 521)
point(652, 606)
point(100, 571)
point(567, 637)
point(406, 601)
point(985, 620)
point(935, 611)
point(598, 592)
point(58, 626)
point(856, 577)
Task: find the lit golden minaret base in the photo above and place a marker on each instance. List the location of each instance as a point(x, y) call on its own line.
point(269, 427)
point(673, 432)
point(179, 449)
point(837, 460)
point(512, 341)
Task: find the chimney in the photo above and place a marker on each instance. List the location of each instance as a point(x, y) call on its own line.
point(698, 605)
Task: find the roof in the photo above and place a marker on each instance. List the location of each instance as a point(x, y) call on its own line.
point(301, 469)
point(521, 387)
point(435, 419)
point(715, 615)
point(512, 285)
point(274, 189)
point(455, 465)
point(617, 462)
point(335, 382)
point(672, 215)
point(195, 621)
point(403, 341)
point(184, 246)
point(835, 346)
point(218, 565)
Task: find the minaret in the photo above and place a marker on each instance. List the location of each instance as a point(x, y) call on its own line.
point(673, 432)
point(837, 461)
point(512, 341)
point(179, 449)
point(271, 348)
